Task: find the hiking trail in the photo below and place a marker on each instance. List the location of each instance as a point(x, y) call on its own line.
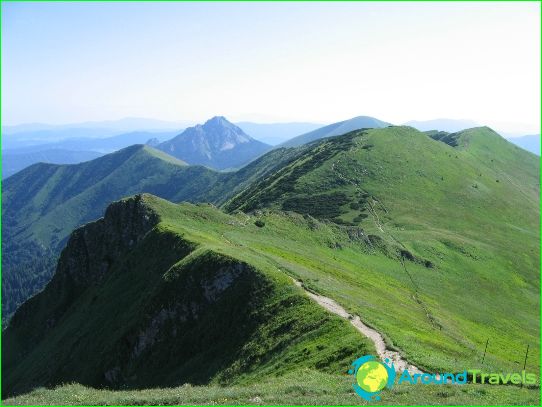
point(373, 335)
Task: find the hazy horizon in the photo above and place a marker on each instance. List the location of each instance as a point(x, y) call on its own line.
point(272, 63)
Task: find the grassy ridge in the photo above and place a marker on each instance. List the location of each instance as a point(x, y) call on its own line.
point(174, 308)
point(362, 273)
point(467, 217)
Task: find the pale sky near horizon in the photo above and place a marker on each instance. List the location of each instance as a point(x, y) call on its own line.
point(321, 62)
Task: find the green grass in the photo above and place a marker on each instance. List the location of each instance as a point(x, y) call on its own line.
point(178, 307)
point(483, 243)
point(302, 388)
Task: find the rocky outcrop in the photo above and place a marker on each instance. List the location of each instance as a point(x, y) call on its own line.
point(90, 253)
point(92, 248)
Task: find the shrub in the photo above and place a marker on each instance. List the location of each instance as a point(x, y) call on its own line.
point(360, 217)
point(320, 206)
point(260, 223)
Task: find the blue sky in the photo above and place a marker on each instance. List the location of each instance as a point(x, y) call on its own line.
point(323, 62)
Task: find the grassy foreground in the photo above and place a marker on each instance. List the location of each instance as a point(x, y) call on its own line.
point(307, 387)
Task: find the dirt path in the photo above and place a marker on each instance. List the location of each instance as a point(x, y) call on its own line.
point(374, 336)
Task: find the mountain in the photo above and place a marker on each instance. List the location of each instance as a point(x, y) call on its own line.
point(217, 144)
point(143, 298)
point(464, 208)
point(69, 141)
point(43, 203)
point(15, 161)
point(275, 133)
point(449, 125)
point(127, 124)
point(42, 138)
point(335, 129)
point(529, 143)
point(426, 238)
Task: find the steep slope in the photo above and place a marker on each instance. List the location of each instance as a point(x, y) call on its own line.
point(42, 204)
point(126, 282)
point(336, 129)
point(463, 218)
point(217, 144)
point(15, 161)
point(141, 299)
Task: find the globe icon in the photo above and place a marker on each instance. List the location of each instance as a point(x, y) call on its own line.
point(372, 376)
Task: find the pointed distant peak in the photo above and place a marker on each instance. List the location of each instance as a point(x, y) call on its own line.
point(220, 124)
point(219, 121)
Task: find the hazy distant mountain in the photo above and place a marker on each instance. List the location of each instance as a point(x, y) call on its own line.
point(103, 145)
point(530, 143)
point(449, 125)
point(121, 125)
point(13, 162)
point(216, 144)
point(336, 129)
point(40, 137)
point(275, 133)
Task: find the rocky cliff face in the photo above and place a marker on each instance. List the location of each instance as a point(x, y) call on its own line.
point(89, 254)
point(93, 248)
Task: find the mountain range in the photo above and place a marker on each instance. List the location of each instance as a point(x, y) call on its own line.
point(18, 160)
point(127, 124)
point(15, 144)
point(36, 141)
point(71, 195)
point(426, 236)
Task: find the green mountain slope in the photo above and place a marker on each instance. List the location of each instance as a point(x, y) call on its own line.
point(42, 204)
point(154, 294)
point(335, 129)
point(463, 221)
